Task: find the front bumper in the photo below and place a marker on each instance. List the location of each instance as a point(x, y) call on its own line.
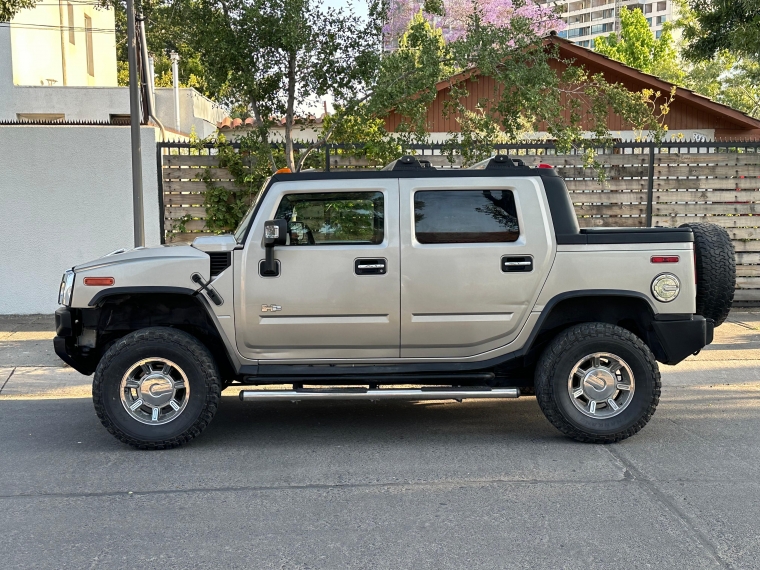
point(64, 342)
point(681, 337)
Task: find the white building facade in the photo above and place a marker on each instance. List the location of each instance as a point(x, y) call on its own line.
point(589, 19)
point(58, 64)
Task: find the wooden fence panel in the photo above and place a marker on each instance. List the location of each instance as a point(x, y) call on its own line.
point(694, 186)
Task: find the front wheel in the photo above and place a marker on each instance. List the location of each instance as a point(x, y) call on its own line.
point(156, 388)
point(597, 383)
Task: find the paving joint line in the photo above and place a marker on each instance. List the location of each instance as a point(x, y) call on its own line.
point(313, 486)
point(7, 379)
point(632, 473)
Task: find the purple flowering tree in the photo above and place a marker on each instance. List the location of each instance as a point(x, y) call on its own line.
point(453, 21)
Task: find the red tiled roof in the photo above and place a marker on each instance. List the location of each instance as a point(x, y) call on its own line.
point(228, 123)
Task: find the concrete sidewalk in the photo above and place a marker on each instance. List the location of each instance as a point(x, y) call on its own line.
point(29, 366)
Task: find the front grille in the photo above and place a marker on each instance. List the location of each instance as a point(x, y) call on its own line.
point(219, 262)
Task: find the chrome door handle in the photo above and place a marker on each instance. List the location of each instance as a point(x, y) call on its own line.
point(370, 266)
point(516, 263)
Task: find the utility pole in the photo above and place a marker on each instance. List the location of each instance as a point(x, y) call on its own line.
point(175, 83)
point(134, 122)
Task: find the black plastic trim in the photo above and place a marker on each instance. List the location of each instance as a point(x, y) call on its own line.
point(66, 352)
point(64, 322)
point(104, 293)
point(683, 338)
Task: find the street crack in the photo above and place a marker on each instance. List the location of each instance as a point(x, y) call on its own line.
point(632, 473)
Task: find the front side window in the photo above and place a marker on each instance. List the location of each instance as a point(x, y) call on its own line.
point(465, 216)
point(333, 218)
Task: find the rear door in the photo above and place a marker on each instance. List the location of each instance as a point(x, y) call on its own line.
point(337, 294)
point(474, 255)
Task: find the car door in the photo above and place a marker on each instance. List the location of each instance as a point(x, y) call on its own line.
point(337, 293)
point(474, 255)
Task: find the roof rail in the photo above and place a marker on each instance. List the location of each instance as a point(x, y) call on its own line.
point(497, 162)
point(409, 162)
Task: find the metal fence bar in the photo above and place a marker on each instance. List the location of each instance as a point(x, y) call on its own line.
point(650, 186)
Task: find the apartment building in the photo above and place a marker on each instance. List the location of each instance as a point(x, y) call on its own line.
point(589, 19)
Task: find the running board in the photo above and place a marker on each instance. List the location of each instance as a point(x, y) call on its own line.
point(377, 394)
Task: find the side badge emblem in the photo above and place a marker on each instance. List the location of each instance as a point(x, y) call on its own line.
point(270, 308)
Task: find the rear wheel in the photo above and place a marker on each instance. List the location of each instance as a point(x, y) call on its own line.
point(597, 383)
point(156, 388)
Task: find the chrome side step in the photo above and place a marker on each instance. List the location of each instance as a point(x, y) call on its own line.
point(377, 394)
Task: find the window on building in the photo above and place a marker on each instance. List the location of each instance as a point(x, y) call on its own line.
point(41, 117)
point(661, 6)
point(88, 46)
point(649, 21)
point(648, 9)
point(72, 35)
point(601, 28)
point(658, 34)
point(465, 216)
point(577, 32)
point(661, 19)
point(333, 218)
point(601, 14)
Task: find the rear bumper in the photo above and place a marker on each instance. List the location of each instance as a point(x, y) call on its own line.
point(64, 343)
point(680, 338)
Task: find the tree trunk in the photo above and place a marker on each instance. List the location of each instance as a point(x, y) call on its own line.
point(290, 112)
point(264, 133)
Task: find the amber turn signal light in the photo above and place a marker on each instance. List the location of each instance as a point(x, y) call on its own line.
point(99, 281)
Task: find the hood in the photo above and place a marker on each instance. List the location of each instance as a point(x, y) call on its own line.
point(156, 253)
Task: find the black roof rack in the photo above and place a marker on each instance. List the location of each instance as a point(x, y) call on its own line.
point(408, 162)
point(497, 162)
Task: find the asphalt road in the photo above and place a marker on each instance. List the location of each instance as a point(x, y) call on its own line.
point(481, 484)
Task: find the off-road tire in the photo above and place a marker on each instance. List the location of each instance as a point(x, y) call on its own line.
point(178, 346)
point(716, 271)
point(556, 363)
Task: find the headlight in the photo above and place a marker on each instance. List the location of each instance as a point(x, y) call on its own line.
point(67, 287)
point(666, 287)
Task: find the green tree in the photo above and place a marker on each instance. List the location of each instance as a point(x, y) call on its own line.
point(166, 30)
point(637, 47)
point(733, 26)
point(272, 56)
point(9, 8)
point(723, 67)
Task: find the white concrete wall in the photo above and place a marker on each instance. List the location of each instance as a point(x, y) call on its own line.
point(195, 111)
point(66, 198)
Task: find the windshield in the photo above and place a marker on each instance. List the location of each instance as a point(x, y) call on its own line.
point(246, 221)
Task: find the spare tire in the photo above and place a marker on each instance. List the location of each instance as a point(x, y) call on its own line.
point(716, 271)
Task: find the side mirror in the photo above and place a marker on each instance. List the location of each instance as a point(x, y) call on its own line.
point(275, 233)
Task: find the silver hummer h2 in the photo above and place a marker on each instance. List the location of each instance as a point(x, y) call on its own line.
point(409, 282)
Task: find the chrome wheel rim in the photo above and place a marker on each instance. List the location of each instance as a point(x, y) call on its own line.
point(601, 385)
point(154, 391)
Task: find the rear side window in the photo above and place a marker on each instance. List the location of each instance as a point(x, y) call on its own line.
point(333, 218)
point(465, 216)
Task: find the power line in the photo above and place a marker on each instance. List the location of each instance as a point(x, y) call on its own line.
point(51, 27)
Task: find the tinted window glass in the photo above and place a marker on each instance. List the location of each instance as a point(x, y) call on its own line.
point(333, 218)
point(465, 216)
